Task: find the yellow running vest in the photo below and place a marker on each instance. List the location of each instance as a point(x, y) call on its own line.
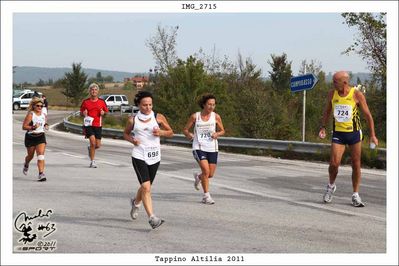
point(346, 112)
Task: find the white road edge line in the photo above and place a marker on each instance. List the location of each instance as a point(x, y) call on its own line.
point(307, 204)
point(72, 155)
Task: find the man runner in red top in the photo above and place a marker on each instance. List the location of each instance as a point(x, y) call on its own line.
point(93, 109)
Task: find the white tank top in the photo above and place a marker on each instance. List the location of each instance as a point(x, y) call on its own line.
point(38, 119)
point(203, 131)
point(149, 149)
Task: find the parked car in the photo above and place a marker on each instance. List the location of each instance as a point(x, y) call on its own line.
point(21, 99)
point(115, 101)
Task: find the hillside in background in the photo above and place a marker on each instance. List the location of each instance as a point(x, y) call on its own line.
point(34, 74)
point(361, 75)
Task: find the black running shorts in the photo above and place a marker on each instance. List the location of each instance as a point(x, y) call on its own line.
point(90, 130)
point(34, 139)
point(143, 171)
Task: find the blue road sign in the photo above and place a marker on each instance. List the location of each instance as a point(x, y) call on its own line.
point(304, 82)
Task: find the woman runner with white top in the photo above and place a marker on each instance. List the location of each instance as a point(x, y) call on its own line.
point(144, 131)
point(35, 123)
point(205, 144)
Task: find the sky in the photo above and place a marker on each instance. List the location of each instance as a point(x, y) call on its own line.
point(116, 41)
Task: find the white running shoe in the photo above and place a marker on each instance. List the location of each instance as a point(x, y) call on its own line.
point(25, 170)
point(134, 212)
point(155, 222)
point(208, 200)
point(328, 195)
point(357, 201)
point(93, 164)
point(41, 177)
point(197, 181)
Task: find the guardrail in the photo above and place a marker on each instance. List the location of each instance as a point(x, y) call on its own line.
point(266, 144)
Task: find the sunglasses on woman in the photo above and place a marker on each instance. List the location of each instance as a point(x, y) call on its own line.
point(39, 105)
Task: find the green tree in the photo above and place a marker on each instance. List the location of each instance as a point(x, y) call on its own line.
point(75, 84)
point(371, 42)
point(109, 78)
point(281, 72)
point(176, 93)
point(99, 77)
point(313, 67)
point(40, 83)
point(163, 47)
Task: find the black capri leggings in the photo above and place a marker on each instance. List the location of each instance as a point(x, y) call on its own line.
point(143, 171)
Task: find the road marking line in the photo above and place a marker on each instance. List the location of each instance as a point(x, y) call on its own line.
point(264, 195)
point(72, 155)
point(113, 164)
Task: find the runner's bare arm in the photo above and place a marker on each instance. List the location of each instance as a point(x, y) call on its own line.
point(127, 132)
point(220, 127)
point(366, 111)
point(166, 130)
point(186, 129)
point(27, 120)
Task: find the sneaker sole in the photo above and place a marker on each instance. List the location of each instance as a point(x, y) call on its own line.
point(133, 216)
point(158, 225)
point(208, 203)
point(359, 205)
point(42, 180)
point(196, 186)
point(326, 201)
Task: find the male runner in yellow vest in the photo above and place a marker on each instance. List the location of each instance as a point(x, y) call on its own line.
point(344, 101)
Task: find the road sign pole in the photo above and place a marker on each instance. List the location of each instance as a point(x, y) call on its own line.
point(303, 115)
point(303, 83)
point(304, 112)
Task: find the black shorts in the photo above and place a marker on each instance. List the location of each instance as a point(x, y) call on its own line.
point(90, 130)
point(347, 138)
point(34, 139)
point(211, 157)
point(143, 171)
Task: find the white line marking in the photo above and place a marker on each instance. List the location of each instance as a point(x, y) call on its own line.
point(308, 204)
point(113, 164)
point(72, 155)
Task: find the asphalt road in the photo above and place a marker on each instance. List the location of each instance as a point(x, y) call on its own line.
point(263, 205)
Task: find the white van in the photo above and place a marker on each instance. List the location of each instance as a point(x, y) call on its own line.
point(115, 101)
point(21, 99)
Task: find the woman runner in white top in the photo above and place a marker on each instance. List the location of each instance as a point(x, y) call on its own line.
point(35, 123)
point(144, 131)
point(208, 127)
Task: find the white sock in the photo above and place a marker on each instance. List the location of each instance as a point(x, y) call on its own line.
point(355, 194)
point(136, 205)
point(152, 216)
point(331, 185)
point(207, 195)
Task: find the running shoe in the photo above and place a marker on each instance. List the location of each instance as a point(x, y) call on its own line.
point(134, 212)
point(197, 181)
point(357, 201)
point(329, 193)
point(41, 177)
point(155, 222)
point(25, 170)
point(208, 200)
point(93, 164)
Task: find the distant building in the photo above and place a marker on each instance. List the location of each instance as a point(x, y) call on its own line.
point(138, 82)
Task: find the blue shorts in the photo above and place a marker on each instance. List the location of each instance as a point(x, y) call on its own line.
point(347, 138)
point(211, 157)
